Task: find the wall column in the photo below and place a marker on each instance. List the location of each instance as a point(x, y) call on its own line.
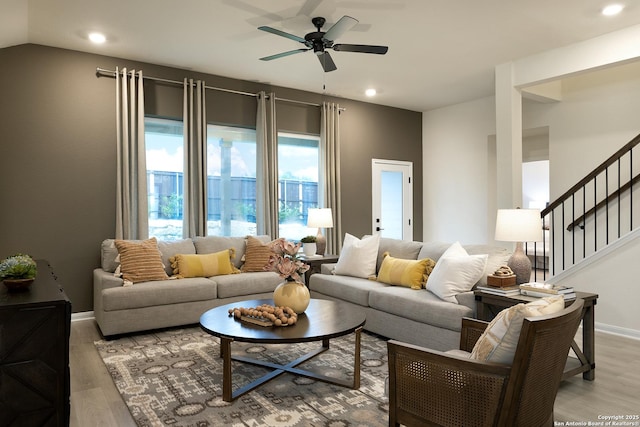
point(508, 138)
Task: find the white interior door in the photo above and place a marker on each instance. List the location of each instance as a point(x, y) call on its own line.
point(392, 210)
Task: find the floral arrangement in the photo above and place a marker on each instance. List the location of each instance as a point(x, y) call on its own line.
point(18, 266)
point(285, 262)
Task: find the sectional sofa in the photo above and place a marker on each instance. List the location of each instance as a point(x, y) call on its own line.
point(409, 315)
point(404, 314)
point(157, 304)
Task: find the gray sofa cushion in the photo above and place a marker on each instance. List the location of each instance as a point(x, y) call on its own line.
point(233, 285)
point(419, 305)
point(212, 244)
point(352, 289)
point(173, 248)
point(109, 252)
point(433, 250)
point(397, 249)
point(163, 292)
point(201, 245)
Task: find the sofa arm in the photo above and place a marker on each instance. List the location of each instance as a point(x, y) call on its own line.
point(103, 280)
point(468, 299)
point(328, 268)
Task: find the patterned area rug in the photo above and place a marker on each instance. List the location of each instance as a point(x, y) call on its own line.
point(174, 378)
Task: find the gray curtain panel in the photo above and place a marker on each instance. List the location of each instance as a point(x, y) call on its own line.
point(330, 165)
point(267, 167)
point(131, 181)
point(195, 159)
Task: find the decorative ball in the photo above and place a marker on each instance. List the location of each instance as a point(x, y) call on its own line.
point(279, 316)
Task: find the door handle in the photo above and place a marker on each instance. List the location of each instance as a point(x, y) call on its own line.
point(379, 229)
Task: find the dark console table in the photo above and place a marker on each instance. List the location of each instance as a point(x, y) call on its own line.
point(34, 353)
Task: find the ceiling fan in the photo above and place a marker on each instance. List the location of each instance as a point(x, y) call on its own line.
point(320, 40)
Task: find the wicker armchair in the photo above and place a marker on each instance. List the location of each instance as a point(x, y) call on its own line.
point(431, 388)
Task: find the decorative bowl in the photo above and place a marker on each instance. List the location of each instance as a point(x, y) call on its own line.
point(18, 284)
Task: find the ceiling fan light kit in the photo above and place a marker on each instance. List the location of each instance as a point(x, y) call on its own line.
point(319, 41)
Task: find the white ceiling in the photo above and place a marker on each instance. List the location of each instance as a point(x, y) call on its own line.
point(441, 52)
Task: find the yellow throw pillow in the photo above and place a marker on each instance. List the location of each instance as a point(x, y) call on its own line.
point(405, 272)
point(204, 265)
point(257, 254)
point(140, 261)
point(499, 340)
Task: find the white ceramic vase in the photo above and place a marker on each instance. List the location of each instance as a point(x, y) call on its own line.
point(292, 294)
point(309, 249)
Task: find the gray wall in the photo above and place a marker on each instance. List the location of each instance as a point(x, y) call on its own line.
point(57, 172)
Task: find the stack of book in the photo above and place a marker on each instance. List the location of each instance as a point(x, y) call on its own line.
point(545, 289)
point(506, 291)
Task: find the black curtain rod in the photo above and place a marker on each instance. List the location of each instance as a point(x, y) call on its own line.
point(112, 73)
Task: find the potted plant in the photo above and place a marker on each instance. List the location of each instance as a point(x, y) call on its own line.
point(18, 271)
point(309, 245)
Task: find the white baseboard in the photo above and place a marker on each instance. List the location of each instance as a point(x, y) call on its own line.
point(618, 330)
point(84, 315)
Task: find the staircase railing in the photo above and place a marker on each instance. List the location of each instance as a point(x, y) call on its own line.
point(590, 215)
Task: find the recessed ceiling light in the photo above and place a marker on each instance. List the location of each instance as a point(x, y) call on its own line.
point(612, 9)
point(370, 92)
point(97, 38)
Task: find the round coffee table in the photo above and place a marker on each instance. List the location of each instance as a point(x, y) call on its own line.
point(321, 321)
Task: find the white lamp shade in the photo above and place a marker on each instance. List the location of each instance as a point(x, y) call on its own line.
point(319, 218)
point(518, 225)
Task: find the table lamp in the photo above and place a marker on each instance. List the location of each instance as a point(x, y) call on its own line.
point(519, 225)
point(320, 218)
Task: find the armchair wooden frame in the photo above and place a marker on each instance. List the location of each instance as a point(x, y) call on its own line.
point(432, 388)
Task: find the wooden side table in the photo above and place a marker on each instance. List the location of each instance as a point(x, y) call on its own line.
point(315, 264)
point(488, 305)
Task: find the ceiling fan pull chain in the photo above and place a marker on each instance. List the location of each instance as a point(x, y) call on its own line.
point(324, 83)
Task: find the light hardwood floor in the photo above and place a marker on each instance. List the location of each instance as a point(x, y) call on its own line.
point(95, 401)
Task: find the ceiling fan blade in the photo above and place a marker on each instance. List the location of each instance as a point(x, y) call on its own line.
point(308, 7)
point(326, 62)
point(343, 25)
point(282, 34)
point(362, 48)
point(283, 54)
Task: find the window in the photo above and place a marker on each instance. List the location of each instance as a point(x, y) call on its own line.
point(298, 165)
point(164, 142)
point(231, 181)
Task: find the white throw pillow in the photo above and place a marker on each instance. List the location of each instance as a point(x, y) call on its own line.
point(455, 272)
point(455, 250)
point(499, 340)
point(358, 256)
